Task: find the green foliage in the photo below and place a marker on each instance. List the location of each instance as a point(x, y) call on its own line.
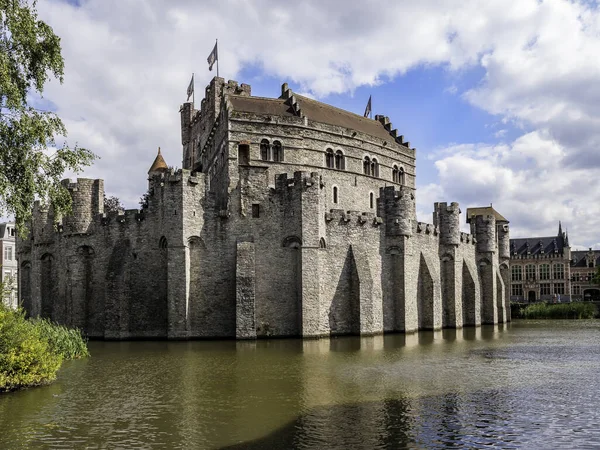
point(31, 167)
point(32, 351)
point(596, 277)
point(25, 357)
point(112, 204)
point(67, 342)
point(575, 310)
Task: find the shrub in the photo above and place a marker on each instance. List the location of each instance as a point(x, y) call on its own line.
point(32, 351)
point(576, 310)
point(25, 356)
point(67, 342)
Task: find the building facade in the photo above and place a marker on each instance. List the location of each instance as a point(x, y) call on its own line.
point(546, 269)
point(9, 274)
point(289, 218)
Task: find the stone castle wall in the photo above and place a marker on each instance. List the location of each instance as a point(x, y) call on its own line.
point(242, 247)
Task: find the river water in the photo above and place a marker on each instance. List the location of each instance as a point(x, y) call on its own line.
point(531, 384)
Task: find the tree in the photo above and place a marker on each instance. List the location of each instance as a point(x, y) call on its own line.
point(596, 278)
point(31, 165)
point(112, 204)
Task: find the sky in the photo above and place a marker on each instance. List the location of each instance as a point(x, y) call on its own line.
point(501, 98)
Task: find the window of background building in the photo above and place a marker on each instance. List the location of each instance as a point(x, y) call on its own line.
point(544, 271)
point(545, 289)
point(517, 273)
point(575, 277)
point(8, 253)
point(559, 271)
point(516, 289)
point(576, 290)
point(530, 272)
point(559, 288)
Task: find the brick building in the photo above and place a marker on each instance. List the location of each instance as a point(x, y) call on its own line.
point(546, 269)
point(289, 218)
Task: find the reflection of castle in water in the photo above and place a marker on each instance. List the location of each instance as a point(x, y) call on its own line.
point(289, 218)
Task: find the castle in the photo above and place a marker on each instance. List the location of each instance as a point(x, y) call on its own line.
point(289, 218)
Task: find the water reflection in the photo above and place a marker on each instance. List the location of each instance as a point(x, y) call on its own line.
point(491, 386)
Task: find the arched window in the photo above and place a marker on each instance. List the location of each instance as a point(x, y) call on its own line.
point(329, 158)
point(530, 272)
point(395, 174)
point(374, 168)
point(339, 160)
point(265, 149)
point(371, 200)
point(516, 273)
point(367, 166)
point(335, 194)
point(401, 175)
point(277, 151)
point(322, 243)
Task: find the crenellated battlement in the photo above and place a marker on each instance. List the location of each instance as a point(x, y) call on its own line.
point(300, 179)
point(385, 121)
point(343, 217)
point(447, 218)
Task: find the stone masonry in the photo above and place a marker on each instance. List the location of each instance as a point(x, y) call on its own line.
point(289, 218)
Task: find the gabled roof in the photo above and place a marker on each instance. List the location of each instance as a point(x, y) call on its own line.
point(579, 258)
point(159, 163)
point(313, 110)
point(484, 211)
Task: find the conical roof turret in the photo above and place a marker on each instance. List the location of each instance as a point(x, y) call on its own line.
point(159, 164)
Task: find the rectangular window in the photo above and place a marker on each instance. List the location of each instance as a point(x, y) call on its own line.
point(575, 277)
point(559, 288)
point(8, 253)
point(545, 289)
point(559, 271)
point(576, 290)
point(517, 273)
point(544, 271)
point(530, 272)
point(517, 289)
point(255, 210)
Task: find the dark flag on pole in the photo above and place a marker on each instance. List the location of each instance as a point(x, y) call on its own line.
point(190, 89)
point(368, 108)
point(213, 57)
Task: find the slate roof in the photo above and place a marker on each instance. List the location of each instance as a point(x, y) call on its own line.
point(484, 211)
point(313, 110)
point(579, 257)
point(536, 245)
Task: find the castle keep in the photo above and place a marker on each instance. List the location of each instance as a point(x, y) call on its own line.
point(289, 218)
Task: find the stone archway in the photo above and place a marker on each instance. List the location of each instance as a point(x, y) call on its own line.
point(591, 295)
point(531, 296)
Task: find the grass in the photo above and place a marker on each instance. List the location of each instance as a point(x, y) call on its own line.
point(575, 310)
point(32, 351)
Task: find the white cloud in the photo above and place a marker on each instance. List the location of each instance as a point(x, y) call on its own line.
point(128, 63)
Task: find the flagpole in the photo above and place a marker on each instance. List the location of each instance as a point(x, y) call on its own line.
point(193, 90)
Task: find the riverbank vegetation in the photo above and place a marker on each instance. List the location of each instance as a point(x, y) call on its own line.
point(575, 310)
point(32, 351)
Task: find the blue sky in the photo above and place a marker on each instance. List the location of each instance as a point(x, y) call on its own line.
point(500, 102)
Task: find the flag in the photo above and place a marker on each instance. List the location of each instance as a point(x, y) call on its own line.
point(368, 108)
point(190, 89)
point(213, 57)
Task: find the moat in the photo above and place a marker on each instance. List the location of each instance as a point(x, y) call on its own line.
point(529, 384)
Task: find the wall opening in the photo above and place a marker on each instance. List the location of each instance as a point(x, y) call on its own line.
point(468, 297)
point(335, 194)
point(425, 296)
point(47, 285)
point(243, 154)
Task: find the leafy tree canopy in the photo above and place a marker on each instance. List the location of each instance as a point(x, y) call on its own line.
point(112, 204)
point(31, 165)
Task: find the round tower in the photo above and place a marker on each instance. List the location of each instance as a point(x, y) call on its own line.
point(503, 240)
point(87, 201)
point(447, 218)
point(42, 223)
point(400, 210)
point(485, 232)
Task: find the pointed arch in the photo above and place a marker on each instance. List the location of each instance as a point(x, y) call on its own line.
point(425, 296)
